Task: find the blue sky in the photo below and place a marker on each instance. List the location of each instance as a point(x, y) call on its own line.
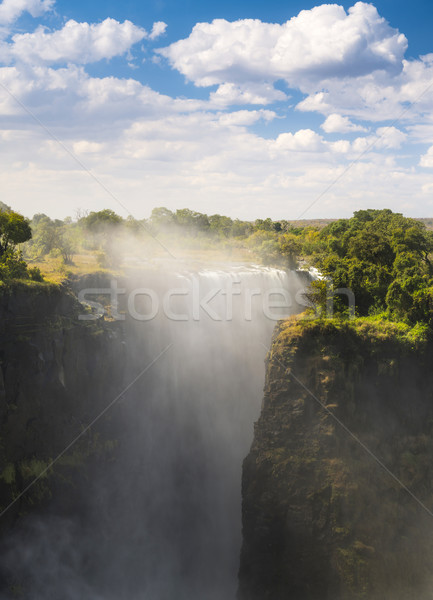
point(252, 109)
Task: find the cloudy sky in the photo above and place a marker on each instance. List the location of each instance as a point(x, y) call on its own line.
point(285, 109)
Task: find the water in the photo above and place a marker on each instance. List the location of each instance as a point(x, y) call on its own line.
point(163, 520)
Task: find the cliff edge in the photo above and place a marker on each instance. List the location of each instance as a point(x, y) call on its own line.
point(337, 487)
point(56, 374)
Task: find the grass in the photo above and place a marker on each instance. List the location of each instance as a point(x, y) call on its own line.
point(55, 271)
point(341, 334)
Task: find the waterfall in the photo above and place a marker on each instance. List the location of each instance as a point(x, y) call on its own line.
point(163, 520)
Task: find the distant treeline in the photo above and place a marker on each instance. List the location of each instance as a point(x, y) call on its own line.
point(111, 237)
point(383, 257)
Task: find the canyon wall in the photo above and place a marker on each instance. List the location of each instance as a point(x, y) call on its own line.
point(337, 487)
point(56, 374)
point(147, 503)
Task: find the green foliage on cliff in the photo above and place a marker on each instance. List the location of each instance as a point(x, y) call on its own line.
point(377, 331)
point(384, 258)
point(14, 230)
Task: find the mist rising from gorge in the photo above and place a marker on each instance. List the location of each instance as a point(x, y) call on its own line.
point(162, 518)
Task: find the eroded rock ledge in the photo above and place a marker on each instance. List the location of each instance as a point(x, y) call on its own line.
point(321, 518)
point(57, 373)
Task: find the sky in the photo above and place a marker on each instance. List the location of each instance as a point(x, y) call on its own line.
point(283, 109)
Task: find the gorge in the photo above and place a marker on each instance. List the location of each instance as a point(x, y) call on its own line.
point(146, 504)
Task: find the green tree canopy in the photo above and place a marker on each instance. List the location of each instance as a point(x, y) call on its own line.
point(101, 221)
point(14, 229)
point(383, 257)
point(221, 225)
point(192, 220)
point(51, 237)
point(162, 218)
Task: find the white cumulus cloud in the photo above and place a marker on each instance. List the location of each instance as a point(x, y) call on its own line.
point(378, 96)
point(427, 158)
point(229, 94)
point(86, 147)
point(158, 29)
point(151, 148)
point(319, 43)
point(78, 43)
point(10, 10)
point(336, 123)
point(86, 104)
point(346, 63)
point(386, 138)
point(304, 140)
point(246, 117)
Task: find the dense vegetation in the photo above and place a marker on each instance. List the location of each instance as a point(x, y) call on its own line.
point(112, 240)
point(383, 257)
point(14, 230)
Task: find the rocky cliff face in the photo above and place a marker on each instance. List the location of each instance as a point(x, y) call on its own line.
point(322, 519)
point(56, 374)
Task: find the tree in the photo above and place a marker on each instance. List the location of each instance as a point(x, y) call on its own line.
point(102, 227)
point(14, 229)
point(162, 218)
point(264, 225)
point(101, 221)
point(191, 220)
point(51, 237)
point(221, 225)
point(269, 252)
point(383, 257)
point(133, 226)
point(241, 228)
point(290, 248)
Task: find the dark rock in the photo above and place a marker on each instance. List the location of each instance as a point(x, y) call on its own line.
point(322, 519)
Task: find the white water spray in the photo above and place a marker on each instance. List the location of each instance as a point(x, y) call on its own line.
point(163, 521)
